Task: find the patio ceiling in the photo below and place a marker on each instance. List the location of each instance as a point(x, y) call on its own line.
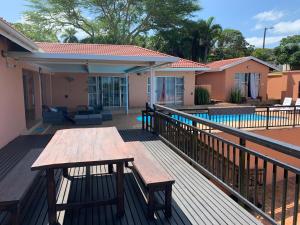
point(82, 63)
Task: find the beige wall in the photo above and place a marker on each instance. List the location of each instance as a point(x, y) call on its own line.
point(75, 87)
point(223, 82)
point(12, 114)
point(285, 85)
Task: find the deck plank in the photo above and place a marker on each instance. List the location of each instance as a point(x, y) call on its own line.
point(195, 199)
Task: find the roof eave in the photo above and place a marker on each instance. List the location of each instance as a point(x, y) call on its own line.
point(16, 37)
point(42, 56)
point(183, 69)
point(245, 59)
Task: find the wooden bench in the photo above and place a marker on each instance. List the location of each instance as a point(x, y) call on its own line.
point(153, 176)
point(16, 184)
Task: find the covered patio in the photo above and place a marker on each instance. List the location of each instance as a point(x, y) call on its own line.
point(104, 76)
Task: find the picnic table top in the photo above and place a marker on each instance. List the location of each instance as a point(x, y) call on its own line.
point(83, 147)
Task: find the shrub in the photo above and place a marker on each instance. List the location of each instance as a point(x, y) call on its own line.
point(236, 96)
point(202, 96)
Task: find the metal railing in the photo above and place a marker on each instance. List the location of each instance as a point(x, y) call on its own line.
point(261, 182)
point(264, 117)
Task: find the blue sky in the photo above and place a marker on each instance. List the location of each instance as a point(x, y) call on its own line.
point(247, 16)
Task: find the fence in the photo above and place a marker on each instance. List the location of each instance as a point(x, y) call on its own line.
point(258, 181)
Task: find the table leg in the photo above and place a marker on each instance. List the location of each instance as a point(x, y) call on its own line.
point(120, 189)
point(51, 197)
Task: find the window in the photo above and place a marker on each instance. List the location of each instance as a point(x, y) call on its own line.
point(179, 87)
point(107, 91)
point(148, 88)
point(169, 90)
point(247, 83)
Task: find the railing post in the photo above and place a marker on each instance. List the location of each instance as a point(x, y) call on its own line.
point(268, 115)
point(143, 122)
point(154, 120)
point(242, 169)
point(147, 116)
point(294, 116)
point(239, 126)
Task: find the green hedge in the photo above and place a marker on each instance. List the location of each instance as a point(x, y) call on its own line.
point(202, 96)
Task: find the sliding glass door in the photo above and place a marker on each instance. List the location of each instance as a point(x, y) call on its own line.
point(248, 84)
point(107, 91)
point(169, 90)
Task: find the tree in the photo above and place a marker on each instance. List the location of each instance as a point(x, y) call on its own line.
point(264, 54)
point(288, 52)
point(232, 44)
point(69, 36)
point(115, 21)
point(193, 40)
point(36, 32)
point(208, 35)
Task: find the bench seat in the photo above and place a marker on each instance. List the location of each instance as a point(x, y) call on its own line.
point(153, 177)
point(16, 184)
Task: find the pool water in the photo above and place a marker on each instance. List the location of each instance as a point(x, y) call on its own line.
point(219, 118)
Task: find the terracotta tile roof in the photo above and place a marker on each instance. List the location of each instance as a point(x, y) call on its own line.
point(184, 63)
point(109, 49)
point(98, 49)
point(221, 63)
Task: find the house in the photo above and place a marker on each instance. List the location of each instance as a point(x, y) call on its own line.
point(115, 76)
point(284, 84)
point(248, 74)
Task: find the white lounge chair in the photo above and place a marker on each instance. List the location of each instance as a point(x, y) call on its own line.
point(287, 102)
point(297, 104)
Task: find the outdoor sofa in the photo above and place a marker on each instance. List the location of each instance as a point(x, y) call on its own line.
point(55, 115)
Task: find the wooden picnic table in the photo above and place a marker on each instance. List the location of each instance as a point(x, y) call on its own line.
point(83, 148)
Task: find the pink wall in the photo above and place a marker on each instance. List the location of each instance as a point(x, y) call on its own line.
point(216, 81)
point(138, 87)
point(76, 89)
point(69, 90)
point(248, 67)
point(223, 82)
point(284, 85)
point(12, 114)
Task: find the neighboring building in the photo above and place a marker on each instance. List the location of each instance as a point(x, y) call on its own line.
point(248, 74)
point(284, 84)
point(54, 74)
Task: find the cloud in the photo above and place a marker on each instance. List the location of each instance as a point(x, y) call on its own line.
point(271, 15)
point(258, 41)
point(258, 26)
point(287, 27)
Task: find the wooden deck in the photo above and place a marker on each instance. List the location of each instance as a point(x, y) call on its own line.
point(195, 199)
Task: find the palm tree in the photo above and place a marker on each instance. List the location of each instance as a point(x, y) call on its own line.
point(69, 36)
point(208, 35)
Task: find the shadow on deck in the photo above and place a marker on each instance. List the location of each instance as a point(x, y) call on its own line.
point(195, 199)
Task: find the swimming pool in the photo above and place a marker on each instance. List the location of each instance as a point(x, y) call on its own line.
point(220, 118)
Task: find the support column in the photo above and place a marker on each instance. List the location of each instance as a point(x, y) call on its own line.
point(152, 86)
point(127, 93)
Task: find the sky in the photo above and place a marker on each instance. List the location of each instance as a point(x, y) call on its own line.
point(250, 17)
